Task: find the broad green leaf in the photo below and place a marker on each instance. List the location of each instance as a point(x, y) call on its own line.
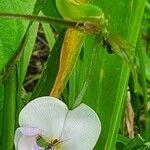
point(12, 31)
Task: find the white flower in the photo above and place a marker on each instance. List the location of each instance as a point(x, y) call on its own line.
point(64, 129)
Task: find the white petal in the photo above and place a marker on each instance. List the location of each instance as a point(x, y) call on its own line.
point(17, 137)
point(28, 143)
point(25, 139)
point(81, 129)
point(24, 131)
point(45, 113)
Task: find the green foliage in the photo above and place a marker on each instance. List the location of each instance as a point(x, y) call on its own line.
point(12, 31)
point(98, 78)
point(50, 70)
point(106, 93)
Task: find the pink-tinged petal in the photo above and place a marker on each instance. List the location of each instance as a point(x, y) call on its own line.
point(81, 129)
point(31, 132)
point(45, 113)
point(28, 143)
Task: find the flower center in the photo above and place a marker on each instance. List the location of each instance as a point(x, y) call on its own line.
point(52, 145)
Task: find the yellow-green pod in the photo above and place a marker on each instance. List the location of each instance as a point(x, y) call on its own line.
point(78, 11)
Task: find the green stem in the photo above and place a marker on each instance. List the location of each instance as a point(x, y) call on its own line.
point(43, 19)
point(9, 107)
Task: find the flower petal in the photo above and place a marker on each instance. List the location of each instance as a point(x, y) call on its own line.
point(25, 139)
point(45, 113)
point(81, 129)
point(28, 143)
point(24, 131)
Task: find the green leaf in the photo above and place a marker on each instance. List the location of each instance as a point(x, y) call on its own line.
point(49, 9)
point(49, 74)
point(49, 35)
point(147, 68)
point(122, 141)
point(23, 64)
point(1, 108)
point(9, 108)
point(12, 30)
point(134, 143)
